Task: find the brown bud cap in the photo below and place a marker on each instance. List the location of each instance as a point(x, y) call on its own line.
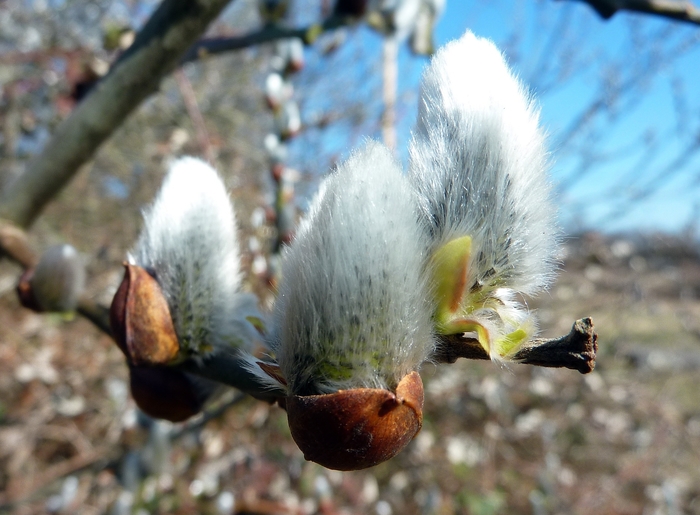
point(359, 428)
point(141, 321)
point(168, 393)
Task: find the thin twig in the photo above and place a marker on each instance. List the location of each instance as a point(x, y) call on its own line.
point(576, 350)
point(208, 47)
point(190, 100)
point(95, 313)
point(15, 245)
point(672, 9)
point(229, 368)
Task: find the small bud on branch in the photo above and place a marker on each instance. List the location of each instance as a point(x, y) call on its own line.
point(55, 283)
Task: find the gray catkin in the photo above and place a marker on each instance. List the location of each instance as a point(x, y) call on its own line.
point(189, 244)
point(353, 305)
point(478, 163)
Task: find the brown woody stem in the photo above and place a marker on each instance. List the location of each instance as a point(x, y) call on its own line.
point(227, 367)
point(576, 350)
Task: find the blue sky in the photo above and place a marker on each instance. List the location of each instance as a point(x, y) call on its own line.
point(637, 179)
point(638, 176)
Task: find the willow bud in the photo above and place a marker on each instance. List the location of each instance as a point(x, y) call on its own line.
point(180, 297)
point(352, 317)
point(189, 246)
point(277, 91)
point(394, 18)
point(57, 281)
point(422, 37)
point(289, 56)
point(478, 162)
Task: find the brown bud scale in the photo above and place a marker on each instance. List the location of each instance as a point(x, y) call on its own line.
point(167, 393)
point(141, 321)
point(358, 428)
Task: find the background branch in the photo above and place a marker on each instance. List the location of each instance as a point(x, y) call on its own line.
point(211, 46)
point(172, 29)
point(673, 9)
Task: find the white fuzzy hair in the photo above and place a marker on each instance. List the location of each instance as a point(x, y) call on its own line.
point(479, 164)
point(189, 244)
point(353, 307)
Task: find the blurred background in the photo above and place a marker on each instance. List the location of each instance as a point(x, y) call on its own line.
point(620, 99)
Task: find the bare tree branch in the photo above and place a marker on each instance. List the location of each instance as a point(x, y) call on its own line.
point(673, 9)
point(577, 350)
point(211, 46)
point(157, 50)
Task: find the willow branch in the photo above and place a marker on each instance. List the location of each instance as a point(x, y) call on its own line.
point(156, 52)
point(576, 350)
point(675, 10)
point(226, 367)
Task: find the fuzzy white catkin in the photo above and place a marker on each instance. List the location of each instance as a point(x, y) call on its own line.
point(189, 244)
point(479, 163)
point(353, 307)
